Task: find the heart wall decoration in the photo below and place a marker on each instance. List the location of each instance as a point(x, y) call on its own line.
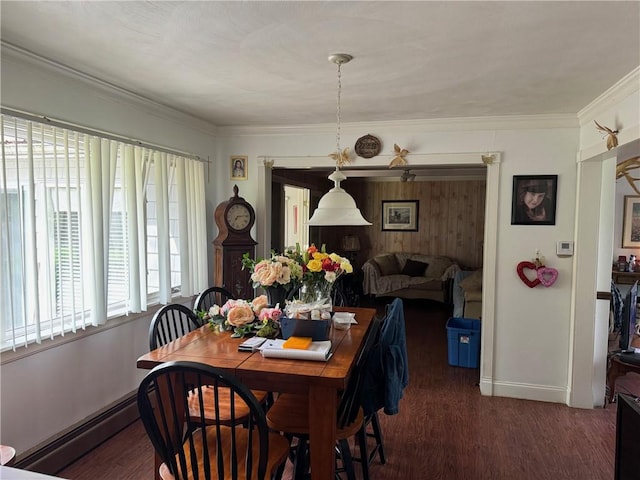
point(523, 268)
point(547, 276)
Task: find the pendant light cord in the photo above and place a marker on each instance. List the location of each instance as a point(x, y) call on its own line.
point(338, 113)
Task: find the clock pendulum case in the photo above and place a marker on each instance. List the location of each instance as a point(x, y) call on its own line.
point(234, 218)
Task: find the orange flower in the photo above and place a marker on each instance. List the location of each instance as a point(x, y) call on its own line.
point(259, 303)
point(240, 315)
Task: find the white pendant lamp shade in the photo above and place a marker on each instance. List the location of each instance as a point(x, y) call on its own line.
point(337, 207)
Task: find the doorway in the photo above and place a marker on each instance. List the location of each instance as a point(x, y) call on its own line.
point(488, 161)
point(296, 212)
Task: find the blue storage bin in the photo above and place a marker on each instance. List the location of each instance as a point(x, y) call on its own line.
point(463, 335)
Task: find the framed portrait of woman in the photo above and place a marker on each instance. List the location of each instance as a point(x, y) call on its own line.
point(238, 167)
point(534, 200)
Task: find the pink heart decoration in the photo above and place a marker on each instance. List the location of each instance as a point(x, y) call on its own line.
point(547, 276)
point(523, 276)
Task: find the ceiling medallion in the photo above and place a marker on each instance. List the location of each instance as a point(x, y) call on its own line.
point(368, 146)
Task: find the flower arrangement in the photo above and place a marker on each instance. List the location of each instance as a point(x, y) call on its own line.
point(244, 317)
point(320, 270)
point(274, 271)
point(313, 270)
point(318, 265)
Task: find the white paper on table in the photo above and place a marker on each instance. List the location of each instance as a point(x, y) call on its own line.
point(318, 351)
point(346, 316)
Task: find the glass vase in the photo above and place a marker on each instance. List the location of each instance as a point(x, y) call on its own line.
point(316, 292)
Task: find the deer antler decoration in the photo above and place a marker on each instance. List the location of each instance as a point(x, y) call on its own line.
point(623, 169)
point(612, 139)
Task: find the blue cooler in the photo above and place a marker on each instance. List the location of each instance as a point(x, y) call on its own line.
point(463, 336)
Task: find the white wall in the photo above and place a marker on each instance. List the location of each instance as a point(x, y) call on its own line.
point(532, 326)
point(535, 368)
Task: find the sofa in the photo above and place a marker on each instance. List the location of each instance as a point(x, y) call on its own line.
point(467, 294)
point(409, 275)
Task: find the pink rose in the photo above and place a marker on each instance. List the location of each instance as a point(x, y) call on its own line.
point(259, 303)
point(270, 314)
point(228, 306)
point(240, 315)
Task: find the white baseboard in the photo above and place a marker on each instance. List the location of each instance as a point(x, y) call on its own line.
point(524, 391)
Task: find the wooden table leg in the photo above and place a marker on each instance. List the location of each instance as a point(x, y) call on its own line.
point(617, 368)
point(613, 372)
point(323, 409)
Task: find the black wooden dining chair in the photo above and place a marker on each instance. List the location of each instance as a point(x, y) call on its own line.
point(175, 320)
point(171, 322)
point(212, 296)
point(290, 415)
point(190, 446)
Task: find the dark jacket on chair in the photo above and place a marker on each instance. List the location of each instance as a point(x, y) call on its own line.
point(387, 373)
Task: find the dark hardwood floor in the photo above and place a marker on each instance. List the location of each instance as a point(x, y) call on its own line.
point(445, 428)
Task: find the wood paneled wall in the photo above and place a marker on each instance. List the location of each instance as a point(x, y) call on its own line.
point(451, 219)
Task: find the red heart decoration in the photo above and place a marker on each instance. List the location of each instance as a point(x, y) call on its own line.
point(531, 266)
point(547, 276)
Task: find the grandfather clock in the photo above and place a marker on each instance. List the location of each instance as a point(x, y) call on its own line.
point(234, 218)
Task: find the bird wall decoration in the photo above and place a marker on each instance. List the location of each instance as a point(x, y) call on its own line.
point(341, 157)
point(612, 138)
point(399, 159)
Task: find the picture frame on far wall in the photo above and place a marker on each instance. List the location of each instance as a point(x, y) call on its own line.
point(534, 200)
point(239, 167)
point(631, 222)
point(400, 215)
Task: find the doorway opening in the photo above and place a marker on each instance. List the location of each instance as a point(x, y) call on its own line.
point(296, 212)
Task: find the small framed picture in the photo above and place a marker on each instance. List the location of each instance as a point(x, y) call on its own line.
point(239, 167)
point(400, 215)
point(631, 222)
point(534, 200)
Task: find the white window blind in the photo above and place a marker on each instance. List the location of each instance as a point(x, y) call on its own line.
point(92, 228)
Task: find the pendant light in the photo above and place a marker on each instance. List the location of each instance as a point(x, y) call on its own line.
point(337, 207)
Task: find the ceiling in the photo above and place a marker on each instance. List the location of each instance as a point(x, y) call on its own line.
point(265, 63)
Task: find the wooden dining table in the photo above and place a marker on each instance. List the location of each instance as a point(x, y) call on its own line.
point(320, 381)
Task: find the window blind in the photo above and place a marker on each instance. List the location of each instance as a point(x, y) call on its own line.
point(93, 229)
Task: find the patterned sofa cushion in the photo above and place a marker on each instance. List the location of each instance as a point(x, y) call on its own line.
point(387, 264)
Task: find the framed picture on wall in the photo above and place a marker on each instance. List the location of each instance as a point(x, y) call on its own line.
point(400, 215)
point(534, 200)
point(631, 222)
point(238, 167)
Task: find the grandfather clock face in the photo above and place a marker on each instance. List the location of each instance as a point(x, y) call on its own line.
point(235, 218)
point(239, 217)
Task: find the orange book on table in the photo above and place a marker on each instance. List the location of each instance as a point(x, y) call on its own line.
point(299, 343)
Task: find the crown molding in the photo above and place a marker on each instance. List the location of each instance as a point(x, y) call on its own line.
point(627, 85)
point(509, 122)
